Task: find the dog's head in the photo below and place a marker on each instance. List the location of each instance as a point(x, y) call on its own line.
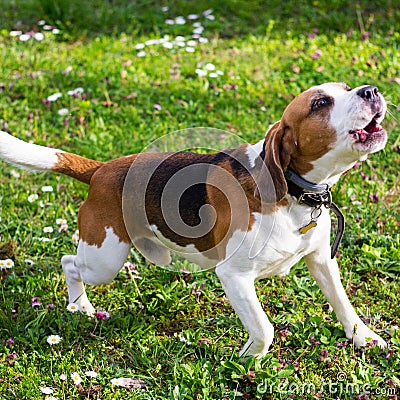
point(324, 131)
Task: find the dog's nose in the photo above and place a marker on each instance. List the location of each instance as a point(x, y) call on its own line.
point(369, 93)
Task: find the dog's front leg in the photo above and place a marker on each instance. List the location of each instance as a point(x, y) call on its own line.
point(326, 273)
point(239, 288)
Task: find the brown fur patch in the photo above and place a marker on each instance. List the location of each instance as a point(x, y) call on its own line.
point(103, 206)
point(312, 132)
point(77, 167)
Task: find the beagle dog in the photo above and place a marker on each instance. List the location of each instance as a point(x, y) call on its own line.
point(250, 212)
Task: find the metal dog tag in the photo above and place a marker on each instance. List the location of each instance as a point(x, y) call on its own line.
point(310, 225)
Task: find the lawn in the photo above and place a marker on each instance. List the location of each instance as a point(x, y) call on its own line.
point(104, 79)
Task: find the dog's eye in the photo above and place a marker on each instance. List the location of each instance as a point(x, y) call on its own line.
point(319, 103)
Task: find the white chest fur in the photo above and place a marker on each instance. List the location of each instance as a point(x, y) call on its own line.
point(274, 244)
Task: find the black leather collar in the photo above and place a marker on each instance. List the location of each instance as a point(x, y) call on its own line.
point(315, 196)
point(306, 192)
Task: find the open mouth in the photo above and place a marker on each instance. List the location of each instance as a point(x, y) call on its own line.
point(369, 132)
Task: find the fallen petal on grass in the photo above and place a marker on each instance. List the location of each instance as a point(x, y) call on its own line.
point(129, 383)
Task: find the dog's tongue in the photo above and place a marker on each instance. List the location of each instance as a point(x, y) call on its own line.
point(372, 127)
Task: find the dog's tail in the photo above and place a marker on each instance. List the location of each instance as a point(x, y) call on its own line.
point(39, 158)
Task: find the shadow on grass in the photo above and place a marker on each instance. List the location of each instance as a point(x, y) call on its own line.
point(233, 17)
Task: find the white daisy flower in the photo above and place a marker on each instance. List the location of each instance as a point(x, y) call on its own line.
point(67, 71)
point(180, 39)
point(15, 173)
point(76, 91)
point(201, 72)
point(15, 33)
point(33, 197)
point(76, 378)
point(141, 54)
point(63, 377)
point(53, 339)
point(38, 36)
point(203, 40)
point(91, 374)
point(41, 22)
point(73, 307)
point(47, 188)
point(75, 237)
point(213, 75)
point(180, 20)
point(198, 30)
point(210, 17)
point(139, 46)
point(168, 45)
point(117, 382)
point(191, 43)
point(193, 16)
point(2, 264)
point(208, 12)
point(50, 398)
point(190, 49)
point(63, 112)
point(24, 37)
point(210, 67)
point(54, 97)
point(169, 21)
point(48, 229)
point(55, 31)
point(184, 340)
point(152, 41)
point(61, 221)
point(164, 9)
point(8, 263)
point(46, 390)
point(63, 228)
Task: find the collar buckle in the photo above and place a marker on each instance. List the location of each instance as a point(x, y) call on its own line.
point(316, 199)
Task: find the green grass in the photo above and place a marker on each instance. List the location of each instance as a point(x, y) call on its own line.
point(184, 344)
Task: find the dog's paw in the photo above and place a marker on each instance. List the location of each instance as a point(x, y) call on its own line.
point(363, 335)
point(254, 348)
point(87, 308)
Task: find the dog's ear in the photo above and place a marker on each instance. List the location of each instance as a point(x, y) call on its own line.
point(280, 144)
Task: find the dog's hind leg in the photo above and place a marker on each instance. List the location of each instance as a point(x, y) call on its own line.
point(95, 265)
point(76, 288)
point(104, 244)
